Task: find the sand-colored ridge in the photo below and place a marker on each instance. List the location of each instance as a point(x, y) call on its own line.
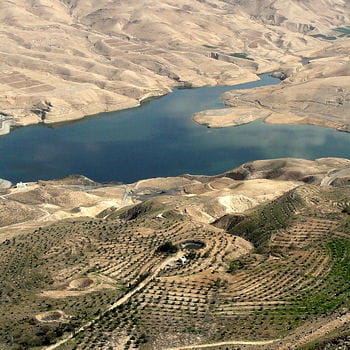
point(87, 58)
point(204, 198)
point(316, 94)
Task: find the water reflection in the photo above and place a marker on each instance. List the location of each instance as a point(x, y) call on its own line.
point(158, 139)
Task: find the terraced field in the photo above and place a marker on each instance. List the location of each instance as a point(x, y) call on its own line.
point(107, 284)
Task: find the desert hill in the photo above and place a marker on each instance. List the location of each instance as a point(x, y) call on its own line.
point(203, 198)
point(62, 60)
point(255, 258)
point(315, 93)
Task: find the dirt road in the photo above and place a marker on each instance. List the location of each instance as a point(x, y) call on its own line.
point(122, 300)
point(233, 342)
point(331, 177)
point(314, 333)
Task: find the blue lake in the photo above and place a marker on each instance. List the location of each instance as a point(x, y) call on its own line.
point(159, 139)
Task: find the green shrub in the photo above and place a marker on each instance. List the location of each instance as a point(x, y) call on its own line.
point(235, 265)
point(167, 248)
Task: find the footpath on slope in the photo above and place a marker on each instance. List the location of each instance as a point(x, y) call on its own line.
point(331, 177)
point(292, 342)
point(233, 342)
point(120, 301)
point(314, 332)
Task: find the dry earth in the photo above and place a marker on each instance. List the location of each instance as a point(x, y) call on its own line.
point(262, 260)
point(314, 93)
point(65, 59)
point(202, 198)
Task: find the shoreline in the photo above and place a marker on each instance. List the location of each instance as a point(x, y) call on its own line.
point(234, 117)
point(5, 126)
point(92, 183)
point(148, 97)
point(110, 135)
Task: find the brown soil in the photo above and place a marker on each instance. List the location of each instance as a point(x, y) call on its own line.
point(63, 60)
point(81, 283)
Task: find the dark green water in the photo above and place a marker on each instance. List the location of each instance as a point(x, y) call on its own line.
point(158, 139)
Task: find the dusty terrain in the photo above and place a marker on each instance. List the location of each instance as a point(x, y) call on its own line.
point(255, 258)
point(261, 250)
point(203, 198)
point(65, 59)
point(317, 92)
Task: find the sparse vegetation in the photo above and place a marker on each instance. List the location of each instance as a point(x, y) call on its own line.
point(259, 226)
point(345, 31)
point(167, 248)
point(322, 36)
point(298, 271)
point(235, 265)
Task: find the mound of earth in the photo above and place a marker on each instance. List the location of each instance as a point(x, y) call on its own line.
point(12, 212)
point(288, 169)
point(54, 196)
point(81, 283)
point(4, 184)
point(51, 316)
point(73, 180)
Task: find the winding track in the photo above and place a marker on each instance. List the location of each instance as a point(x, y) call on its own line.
point(120, 301)
point(331, 177)
point(315, 332)
point(294, 340)
point(237, 342)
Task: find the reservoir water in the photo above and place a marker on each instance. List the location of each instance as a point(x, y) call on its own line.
point(159, 139)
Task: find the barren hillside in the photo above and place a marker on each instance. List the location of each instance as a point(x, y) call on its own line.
point(316, 92)
point(62, 60)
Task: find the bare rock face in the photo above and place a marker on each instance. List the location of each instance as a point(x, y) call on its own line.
point(63, 60)
point(5, 184)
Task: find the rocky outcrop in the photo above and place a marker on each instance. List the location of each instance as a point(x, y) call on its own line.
point(5, 184)
point(5, 125)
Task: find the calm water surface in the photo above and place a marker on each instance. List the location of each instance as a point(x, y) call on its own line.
point(158, 139)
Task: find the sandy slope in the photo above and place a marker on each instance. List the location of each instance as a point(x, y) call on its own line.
point(202, 198)
point(62, 60)
point(317, 93)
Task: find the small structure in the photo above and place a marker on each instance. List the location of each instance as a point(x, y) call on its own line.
point(182, 260)
point(5, 125)
point(21, 185)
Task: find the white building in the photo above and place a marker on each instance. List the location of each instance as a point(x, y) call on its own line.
point(21, 185)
